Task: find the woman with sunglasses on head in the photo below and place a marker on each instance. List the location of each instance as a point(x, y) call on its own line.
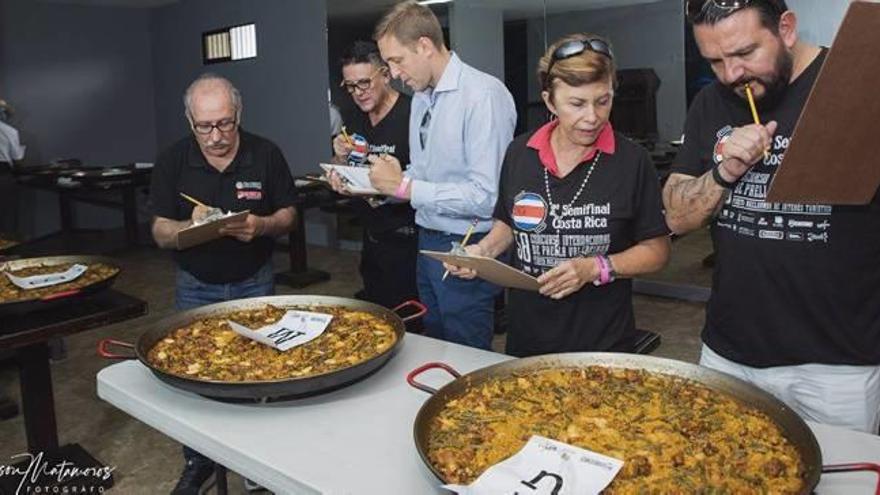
point(581, 206)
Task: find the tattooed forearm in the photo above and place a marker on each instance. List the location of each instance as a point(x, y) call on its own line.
point(691, 201)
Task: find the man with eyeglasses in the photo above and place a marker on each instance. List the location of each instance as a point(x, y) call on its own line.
point(795, 304)
point(224, 167)
point(461, 122)
point(380, 115)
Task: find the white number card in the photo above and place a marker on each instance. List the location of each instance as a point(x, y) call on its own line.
point(47, 279)
point(295, 328)
point(545, 467)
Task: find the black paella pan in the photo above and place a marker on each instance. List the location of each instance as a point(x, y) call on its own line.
point(267, 389)
point(23, 306)
point(792, 426)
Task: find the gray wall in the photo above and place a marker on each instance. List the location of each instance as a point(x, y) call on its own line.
point(81, 79)
point(476, 33)
point(818, 20)
point(284, 88)
point(650, 35)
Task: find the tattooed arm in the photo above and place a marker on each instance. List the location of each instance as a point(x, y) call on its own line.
point(691, 201)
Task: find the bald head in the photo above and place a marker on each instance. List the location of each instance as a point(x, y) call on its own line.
point(213, 90)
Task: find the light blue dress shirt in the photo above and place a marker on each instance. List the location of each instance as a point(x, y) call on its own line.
point(455, 177)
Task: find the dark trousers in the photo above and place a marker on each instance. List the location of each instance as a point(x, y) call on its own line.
point(460, 311)
point(388, 267)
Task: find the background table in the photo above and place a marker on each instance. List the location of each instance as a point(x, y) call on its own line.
point(27, 337)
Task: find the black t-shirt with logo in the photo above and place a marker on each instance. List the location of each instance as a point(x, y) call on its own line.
point(391, 136)
point(793, 283)
point(619, 207)
point(257, 180)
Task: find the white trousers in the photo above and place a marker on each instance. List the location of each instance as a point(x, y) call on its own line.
point(839, 395)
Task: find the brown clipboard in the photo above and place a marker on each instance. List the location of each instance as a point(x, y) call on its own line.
point(489, 269)
point(206, 232)
point(831, 157)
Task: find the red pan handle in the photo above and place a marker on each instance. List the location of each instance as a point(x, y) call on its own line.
point(105, 353)
point(422, 309)
point(59, 295)
point(860, 466)
point(411, 376)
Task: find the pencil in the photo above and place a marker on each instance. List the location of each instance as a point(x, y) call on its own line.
point(346, 136)
point(754, 112)
point(464, 240)
point(193, 200)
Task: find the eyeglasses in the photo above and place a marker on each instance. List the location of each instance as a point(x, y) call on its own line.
point(694, 8)
point(576, 47)
point(361, 84)
point(222, 126)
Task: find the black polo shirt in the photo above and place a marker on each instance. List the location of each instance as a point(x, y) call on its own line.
point(257, 180)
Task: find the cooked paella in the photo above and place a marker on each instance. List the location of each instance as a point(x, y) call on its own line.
point(6, 244)
point(95, 273)
point(208, 349)
point(674, 435)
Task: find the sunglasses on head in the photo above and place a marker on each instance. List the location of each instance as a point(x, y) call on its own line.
point(576, 47)
point(694, 8)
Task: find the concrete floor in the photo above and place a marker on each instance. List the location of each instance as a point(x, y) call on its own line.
point(147, 462)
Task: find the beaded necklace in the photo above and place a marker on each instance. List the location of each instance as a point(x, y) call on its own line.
point(554, 208)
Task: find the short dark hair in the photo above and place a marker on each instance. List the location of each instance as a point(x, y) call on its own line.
point(362, 52)
point(708, 12)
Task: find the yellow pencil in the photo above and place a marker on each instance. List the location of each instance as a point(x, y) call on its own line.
point(193, 200)
point(464, 240)
point(754, 112)
point(346, 136)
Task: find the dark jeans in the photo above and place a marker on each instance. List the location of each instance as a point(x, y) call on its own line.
point(388, 267)
point(460, 311)
point(191, 292)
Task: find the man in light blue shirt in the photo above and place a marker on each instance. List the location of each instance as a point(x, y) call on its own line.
point(460, 125)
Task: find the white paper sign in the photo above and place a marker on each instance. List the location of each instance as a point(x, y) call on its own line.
point(545, 467)
point(295, 328)
point(47, 279)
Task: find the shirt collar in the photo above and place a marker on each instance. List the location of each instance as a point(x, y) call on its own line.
point(540, 141)
point(448, 80)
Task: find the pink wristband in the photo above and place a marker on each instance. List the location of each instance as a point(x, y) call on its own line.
point(604, 271)
point(401, 189)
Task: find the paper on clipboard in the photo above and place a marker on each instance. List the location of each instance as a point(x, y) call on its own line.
point(200, 234)
point(358, 177)
point(489, 269)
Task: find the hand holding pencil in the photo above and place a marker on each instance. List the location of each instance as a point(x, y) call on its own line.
point(464, 241)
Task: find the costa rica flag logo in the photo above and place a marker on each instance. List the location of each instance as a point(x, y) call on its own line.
point(529, 211)
point(721, 137)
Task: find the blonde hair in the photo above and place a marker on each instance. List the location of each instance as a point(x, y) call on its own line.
point(407, 22)
point(586, 67)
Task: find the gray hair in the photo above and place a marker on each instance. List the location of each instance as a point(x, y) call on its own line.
point(210, 76)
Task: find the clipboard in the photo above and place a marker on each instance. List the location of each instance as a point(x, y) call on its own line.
point(358, 178)
point(831, 158)
point(200, 234)
point(489, 269)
